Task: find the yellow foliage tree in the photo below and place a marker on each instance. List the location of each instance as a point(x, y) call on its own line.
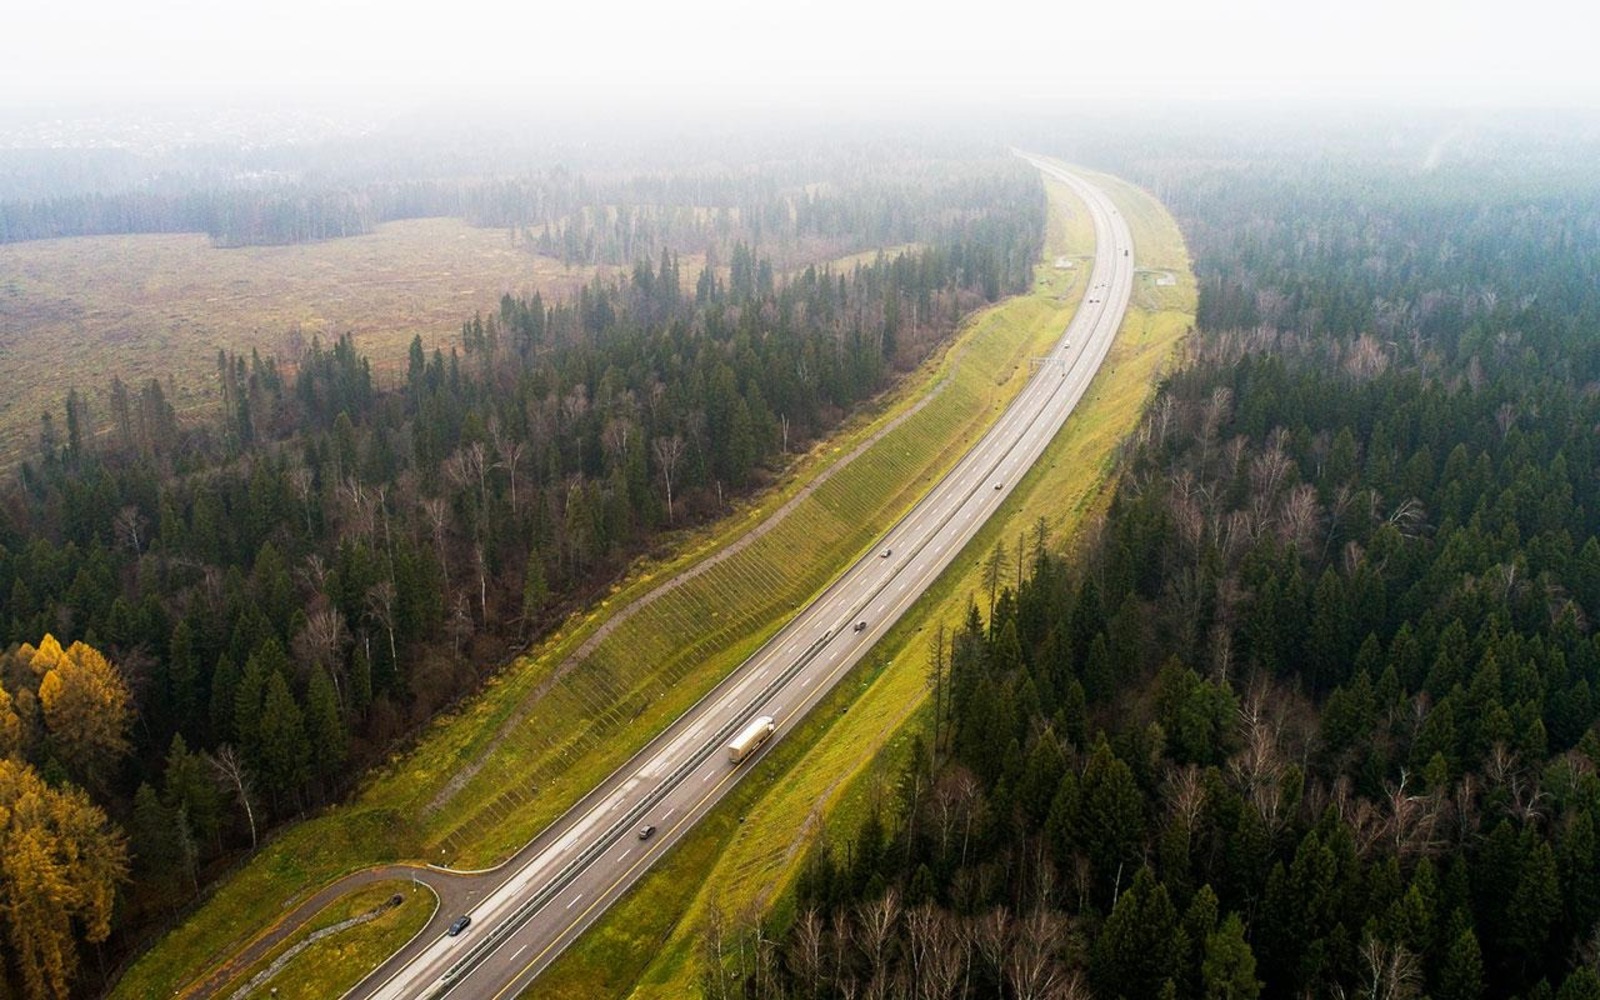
point(10, 727)
point(60, 862)
point(86, 709)
point(45, 658)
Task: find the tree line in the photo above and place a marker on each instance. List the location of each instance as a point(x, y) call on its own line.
point(796, 205)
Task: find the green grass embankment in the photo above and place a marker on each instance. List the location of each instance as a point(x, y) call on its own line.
point(315, 970)
point(827, 771)
point(535, 740)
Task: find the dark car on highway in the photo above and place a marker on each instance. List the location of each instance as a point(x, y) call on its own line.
point(459, 926)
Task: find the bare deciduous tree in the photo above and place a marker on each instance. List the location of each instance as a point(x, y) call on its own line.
point(668, 451)
point(1389, 972)
point(806, 951)
point(1031, 965)
point(1211, 419)
point(876, 922)
point(460, 624)
point(950, 958)
point(438, 514)
point(381, 599)
point(992, 935)
point(615, 439)
point(303, 483)
point(231, 774)
point(1297, 521)
point(1259, 768)
point(481, 561)
point(129, 525)
point(510, 453)
point(313, 573)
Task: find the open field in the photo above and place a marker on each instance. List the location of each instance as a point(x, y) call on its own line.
point(545, 734)
point(74, 312)
point(828, 772)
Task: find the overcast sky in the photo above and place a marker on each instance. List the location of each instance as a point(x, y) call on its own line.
point(744, 52)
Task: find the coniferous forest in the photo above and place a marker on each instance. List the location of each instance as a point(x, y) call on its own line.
point(216, 623)
point(1312, 711)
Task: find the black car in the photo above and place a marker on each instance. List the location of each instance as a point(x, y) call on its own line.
point(459, 926)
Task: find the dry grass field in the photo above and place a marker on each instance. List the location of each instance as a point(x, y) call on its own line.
point(75, 312)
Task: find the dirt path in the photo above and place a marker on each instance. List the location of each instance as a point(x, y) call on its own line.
point(451, 890)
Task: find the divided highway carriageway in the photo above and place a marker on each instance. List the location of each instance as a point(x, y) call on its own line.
point(543, 898)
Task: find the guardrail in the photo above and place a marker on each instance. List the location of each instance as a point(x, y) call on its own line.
point(505, 928)
point(569, 872)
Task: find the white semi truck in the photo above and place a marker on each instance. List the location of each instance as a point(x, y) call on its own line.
point(748, 741)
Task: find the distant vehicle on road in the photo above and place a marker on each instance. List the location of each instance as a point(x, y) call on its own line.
point(747, 742)
point(460, 925)
point(860, 625)
point(885, 553)
point(645, 831)
point(998, 485)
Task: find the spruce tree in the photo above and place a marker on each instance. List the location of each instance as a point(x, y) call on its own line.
point(1228, 971)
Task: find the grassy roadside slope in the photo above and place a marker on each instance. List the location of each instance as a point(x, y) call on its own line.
point(329, 966)
point(567, 731)
point(829, 770)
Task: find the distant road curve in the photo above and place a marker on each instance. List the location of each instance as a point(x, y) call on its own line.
point(538, 902)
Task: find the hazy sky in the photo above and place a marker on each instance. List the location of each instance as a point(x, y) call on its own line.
point(713, 52)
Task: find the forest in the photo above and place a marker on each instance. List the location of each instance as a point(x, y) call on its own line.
point(561, 191)
point(216, 624)
point(1312, 710)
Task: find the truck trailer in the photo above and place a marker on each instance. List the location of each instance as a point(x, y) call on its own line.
point(747, 742)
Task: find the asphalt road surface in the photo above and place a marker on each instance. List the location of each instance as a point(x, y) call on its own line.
point(539, 901)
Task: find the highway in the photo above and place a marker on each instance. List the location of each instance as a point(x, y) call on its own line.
point(554, 888)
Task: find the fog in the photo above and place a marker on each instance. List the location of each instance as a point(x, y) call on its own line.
point(831, 54)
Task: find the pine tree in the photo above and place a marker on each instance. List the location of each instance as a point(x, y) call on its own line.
point(1228, 971)
point(189, 789)
point(1099, 677)
point(326, 728)
point(224, 698)
point(1533, 911)
point(535, 589)
point(1583, 984)
point(1461, 974)
point(1141, 945)
point(1110, 821)
point(282, 748)
point(1579, 862)
point(152, 837)
point(183, 678)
